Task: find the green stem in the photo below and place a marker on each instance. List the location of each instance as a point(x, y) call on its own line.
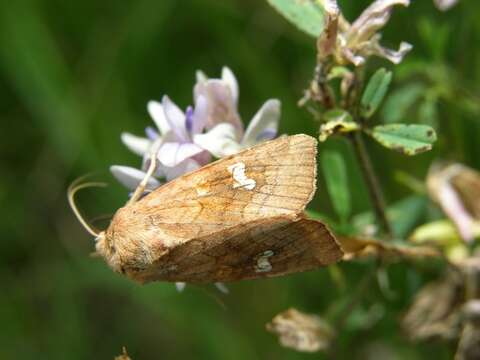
point(375, 192)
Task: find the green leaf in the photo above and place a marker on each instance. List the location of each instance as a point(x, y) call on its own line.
point(403, 216)
point(335, 174)
point(400, 101)
point(307, 15)
point(407, 139)
point(337, 121)
point(375, 92)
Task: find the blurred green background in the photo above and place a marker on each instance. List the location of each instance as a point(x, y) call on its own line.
point(74, 75)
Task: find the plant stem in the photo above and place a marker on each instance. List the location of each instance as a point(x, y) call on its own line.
point(376, 195)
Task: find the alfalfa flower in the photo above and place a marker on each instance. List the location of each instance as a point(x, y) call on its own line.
point(227, 135)
point(185, 141)
point(356, 42)
point(177, 152)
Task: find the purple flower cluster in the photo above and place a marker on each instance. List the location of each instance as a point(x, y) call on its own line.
point(186, 141)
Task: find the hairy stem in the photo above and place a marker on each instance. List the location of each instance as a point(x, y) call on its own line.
point(374, 190)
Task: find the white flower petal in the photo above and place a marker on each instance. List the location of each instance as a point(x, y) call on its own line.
point(220, 141)
point(200, 76)
point(136, 144)
point(180, 286)
point(176, 118)
point(229, 78)
point(264, 125)
point(184, 167)
point(395, 56)
point(173, 153)
point(155, 109)
point(131, 177)
point(371, 20)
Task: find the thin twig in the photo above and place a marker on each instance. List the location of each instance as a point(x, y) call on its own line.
point(376, 195)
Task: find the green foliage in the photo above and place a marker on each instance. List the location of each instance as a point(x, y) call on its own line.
point(307, 15)
point(337, 121)
point(400, 101)
point(335, 172)
point(406, 139)
point(375, 92)
point(404, 215)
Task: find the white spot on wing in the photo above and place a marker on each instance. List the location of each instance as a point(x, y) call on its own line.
point(263, 264)
point(241, 180)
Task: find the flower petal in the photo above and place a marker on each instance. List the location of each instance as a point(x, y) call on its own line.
point(184, 167)
point(155, 109)
point(221, 104)
point(175, 118)
point(264, 125)
point(173, 153)
point(395, 56)
point(131, 177)
point(229, 78)
point(371, 20)
point(200, 115)
point(136, 144)
point(200, 76)
point(220, 141)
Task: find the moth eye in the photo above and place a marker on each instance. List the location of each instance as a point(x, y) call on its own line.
point(122, 270)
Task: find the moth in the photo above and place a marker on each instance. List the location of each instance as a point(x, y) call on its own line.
point(241, 217)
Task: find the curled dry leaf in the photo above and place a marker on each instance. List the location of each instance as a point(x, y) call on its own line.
point(355, 247)
point(435, 312)
point(354, 43)
point(300, 331)
point(469, 344)
point(456, 188)
point(338, 121)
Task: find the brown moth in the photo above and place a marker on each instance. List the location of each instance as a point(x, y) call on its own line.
point(238, 218)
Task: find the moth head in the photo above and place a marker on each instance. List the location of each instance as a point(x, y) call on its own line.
point(105, 247)
point(120, 244)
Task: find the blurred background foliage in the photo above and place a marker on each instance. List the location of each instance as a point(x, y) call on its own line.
point(74, 75)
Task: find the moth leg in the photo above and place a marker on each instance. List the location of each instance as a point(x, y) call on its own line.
point(143, 184)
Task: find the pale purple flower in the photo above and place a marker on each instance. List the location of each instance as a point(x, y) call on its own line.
point(178, 153)
point(227, 135)
point(186, 140)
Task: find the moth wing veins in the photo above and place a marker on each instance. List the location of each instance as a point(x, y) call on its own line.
point(273, 178)
point(265, 247)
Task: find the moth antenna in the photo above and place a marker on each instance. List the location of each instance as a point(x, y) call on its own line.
point(72, 190)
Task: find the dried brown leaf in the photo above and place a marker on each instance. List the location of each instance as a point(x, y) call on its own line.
point(300, 331)
point(355, 247)
point(436, 310)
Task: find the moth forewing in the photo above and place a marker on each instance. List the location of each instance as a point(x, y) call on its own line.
point(262, 248)
point(209, 225)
